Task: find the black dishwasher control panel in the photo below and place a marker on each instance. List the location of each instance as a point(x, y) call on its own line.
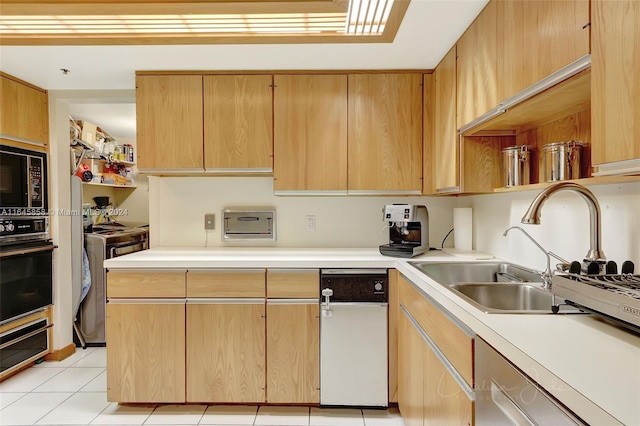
point(355, 285)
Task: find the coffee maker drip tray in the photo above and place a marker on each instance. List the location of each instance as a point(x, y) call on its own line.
point(402, 250)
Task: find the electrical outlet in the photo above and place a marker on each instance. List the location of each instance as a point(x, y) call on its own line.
point(209, 221)
point(310, 223)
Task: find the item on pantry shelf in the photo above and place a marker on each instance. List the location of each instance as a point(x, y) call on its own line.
point(101, 201)
point(84, 173)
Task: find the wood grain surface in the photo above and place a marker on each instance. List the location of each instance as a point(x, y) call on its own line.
point(293, 284)
point(143, 283)
point(226, 283)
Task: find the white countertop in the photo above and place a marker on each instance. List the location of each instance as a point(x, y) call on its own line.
point(590, 366)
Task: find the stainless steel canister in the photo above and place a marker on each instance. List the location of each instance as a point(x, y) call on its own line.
point(516, 161)
point(562, 160)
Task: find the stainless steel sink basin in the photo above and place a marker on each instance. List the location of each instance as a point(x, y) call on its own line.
point(505, 297)
point(494, 287)
point(477, 272)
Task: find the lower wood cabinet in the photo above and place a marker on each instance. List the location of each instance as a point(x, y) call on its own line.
point(145, 351)
point(293, 351)
point(435, 383)
point(225, 351)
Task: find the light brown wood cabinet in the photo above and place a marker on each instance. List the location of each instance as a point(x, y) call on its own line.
point(477, 53)
point(197, 123)
point(225, 351)
point(169, 122)
point(428, 392)
point(537, 38)
point(238, 125)
point(615, 81)
point(293, 336)
point(446, 168)
point(25, 110)
point(310, 133)
point(146, 336)
point(225, 329)
point(385, 133)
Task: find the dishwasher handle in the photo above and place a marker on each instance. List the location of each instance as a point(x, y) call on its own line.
point(326, 305)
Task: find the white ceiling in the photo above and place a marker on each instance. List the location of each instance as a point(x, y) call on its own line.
point(428, 31)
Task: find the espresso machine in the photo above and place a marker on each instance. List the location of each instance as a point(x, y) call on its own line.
point(408, 230)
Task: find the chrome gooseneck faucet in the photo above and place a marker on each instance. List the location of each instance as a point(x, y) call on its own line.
point(532, 216)
point(547, 274)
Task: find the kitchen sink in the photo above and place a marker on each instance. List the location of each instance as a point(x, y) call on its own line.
point(505, 297)
point(477, 272)
point(495, 287)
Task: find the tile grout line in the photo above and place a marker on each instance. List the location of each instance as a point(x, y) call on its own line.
point(47, 413)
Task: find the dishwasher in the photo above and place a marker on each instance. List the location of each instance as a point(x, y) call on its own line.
point(506, 396)
point(353, 337)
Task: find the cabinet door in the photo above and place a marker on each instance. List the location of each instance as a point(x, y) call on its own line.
point(537, 38)
point(226, 352)
point(169, 122)
point(293, 353)
point(615, 81)
point(445, 403)
point(310, 133)
point(238, 125)
point(145, 354)
point(446, 138)
point(25, 110)
point(476, 67)
point(411, 350)
point(385, 132)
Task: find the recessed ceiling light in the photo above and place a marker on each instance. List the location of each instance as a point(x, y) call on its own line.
point(172, 22)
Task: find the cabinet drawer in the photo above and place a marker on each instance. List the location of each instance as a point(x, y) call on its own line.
point(130, 283)
point(226, 283)
point(293, 283)
point(452, 341)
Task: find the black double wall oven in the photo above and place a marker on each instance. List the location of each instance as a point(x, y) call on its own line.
point(26, 256)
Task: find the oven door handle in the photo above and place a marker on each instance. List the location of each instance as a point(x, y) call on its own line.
point(28, 251)
point(127, 248)
point(26, 336)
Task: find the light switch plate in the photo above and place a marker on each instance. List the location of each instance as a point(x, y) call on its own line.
point(209, 221)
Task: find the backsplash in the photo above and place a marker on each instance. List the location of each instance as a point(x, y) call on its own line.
point(177, 206)
point(564, 224)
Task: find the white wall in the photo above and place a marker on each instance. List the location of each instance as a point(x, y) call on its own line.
point(178, 206)
point(564, 227)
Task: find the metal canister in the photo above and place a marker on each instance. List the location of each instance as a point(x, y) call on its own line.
point(516, 162)
point(562, 160)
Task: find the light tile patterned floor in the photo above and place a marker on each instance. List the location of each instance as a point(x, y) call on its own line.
point(73, 392)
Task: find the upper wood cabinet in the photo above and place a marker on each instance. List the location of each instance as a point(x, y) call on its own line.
point(169, 122)
point(310, 133)
point(238, 125)
point(446, 173)
point(25, 111)
point(537, 38)
point(477, 90)
point(615, 81)
point(428, 133)
point(385, 132)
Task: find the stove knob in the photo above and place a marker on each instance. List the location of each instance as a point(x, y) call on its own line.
point(10, 227)
point(611, 268)
point(378, 287)
point(1, 227)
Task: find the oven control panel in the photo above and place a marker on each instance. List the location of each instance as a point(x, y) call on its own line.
point(23, 228)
